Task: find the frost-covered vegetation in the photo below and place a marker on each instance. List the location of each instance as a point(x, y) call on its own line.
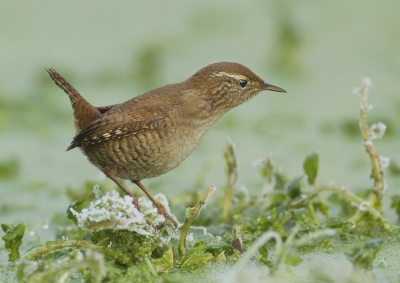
point(290, 231)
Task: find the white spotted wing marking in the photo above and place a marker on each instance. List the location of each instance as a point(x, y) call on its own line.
point(116, 133)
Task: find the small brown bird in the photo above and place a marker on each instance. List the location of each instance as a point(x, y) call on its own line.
point(153, 133)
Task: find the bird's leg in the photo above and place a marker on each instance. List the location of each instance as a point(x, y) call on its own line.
point(111, 174)
point(128, 192)
point(157, 203)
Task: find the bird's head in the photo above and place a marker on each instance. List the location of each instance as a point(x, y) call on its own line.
point(226, 85)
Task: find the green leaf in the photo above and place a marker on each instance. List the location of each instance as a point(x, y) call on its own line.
point(221, 257)
point(13, 239)
point(76, 205)
point(197, 260)
point(293, 260)
point(310, 167)
point(294, 188)
point(165, 263)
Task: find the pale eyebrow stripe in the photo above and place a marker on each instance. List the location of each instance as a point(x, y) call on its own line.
point(238, 77)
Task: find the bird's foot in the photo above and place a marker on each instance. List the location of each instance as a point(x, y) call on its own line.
point(161, 210)
point(135, 202)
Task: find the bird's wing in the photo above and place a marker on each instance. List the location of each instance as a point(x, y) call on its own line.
point(117, 122)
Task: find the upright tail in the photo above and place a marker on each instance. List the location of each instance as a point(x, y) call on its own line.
point(84, 112)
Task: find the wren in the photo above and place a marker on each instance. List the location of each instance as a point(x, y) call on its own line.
point(154, 132)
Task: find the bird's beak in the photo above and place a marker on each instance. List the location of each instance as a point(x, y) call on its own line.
point(272, 88)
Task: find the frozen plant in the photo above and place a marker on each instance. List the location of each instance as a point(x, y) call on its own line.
point(110, 211)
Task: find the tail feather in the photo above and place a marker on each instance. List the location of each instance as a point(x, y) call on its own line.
point(84, 112)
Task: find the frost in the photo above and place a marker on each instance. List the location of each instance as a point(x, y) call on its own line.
point(208, 196)
point(368, 143)
point(365, 84)
point(366, 108)
point(384, 161)
point(363, 206)
point(205, 232)
point(356, 90)
point(189, 211)
point(96, 191)
point(190, 238)
point(385, 186)
point(257, 163)
point(377, 130)
point(111, 211)
point(193, 210)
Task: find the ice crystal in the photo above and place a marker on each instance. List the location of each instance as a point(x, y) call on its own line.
point(377, 130)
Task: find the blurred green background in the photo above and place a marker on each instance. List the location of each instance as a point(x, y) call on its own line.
point(111, 51)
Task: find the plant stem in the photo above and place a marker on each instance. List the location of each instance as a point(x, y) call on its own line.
point(192, 213)
point(231, 176)
point(377, 172)
point(152, 270)
point(59, 245)
point(311, 210)
point(227, 199)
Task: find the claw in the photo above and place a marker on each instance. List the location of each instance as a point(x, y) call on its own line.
point(136, 203)
point(161, 210)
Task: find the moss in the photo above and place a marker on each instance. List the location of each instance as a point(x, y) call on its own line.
point(125, 247)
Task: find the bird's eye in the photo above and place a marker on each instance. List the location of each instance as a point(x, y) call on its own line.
point(242, 83)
